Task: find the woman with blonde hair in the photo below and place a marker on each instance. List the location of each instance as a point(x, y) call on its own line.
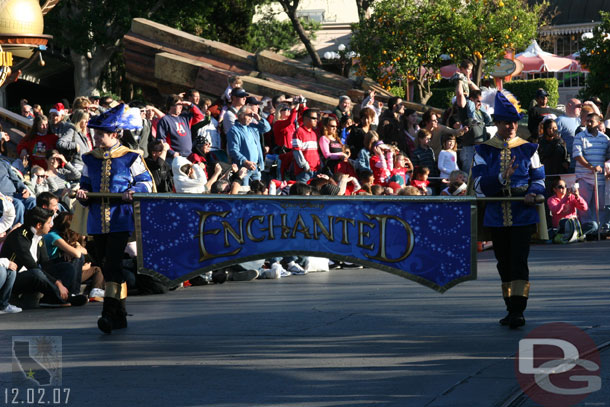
point(77, 140)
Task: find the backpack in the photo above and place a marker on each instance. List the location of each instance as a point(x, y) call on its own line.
point(569, 231)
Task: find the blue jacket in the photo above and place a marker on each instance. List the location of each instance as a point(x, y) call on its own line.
point(115, 170)
point(10, 183)
point(490, 159)
point(244, 143)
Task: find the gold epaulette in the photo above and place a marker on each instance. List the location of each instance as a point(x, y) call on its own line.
point(497, 142)
point(101, 153)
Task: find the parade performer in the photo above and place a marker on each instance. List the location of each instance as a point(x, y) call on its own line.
point(112, 168)
point(508, 166)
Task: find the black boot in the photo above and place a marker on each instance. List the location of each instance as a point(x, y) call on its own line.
point(504, 321)
point(107, 322)
point(518, 305)
point(121, 317)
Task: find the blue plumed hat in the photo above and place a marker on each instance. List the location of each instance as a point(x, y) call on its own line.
point(506, 110)
point(117, 118)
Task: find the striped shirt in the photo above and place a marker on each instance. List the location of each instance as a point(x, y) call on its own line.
point(593, 149)
point(305, 142)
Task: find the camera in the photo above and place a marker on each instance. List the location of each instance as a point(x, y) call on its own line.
point(298, 100)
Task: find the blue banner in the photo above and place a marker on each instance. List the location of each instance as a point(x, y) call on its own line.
point(431, 241)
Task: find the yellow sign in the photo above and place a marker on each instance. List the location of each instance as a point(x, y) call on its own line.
point(6, 61)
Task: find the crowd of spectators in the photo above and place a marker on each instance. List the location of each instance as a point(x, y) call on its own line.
point(243, 144)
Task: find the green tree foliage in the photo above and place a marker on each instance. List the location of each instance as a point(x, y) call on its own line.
point(595, 56)
point(400, 44)
point(481, 30)
point(403, 40)
point(92, 29)
point(269, 33)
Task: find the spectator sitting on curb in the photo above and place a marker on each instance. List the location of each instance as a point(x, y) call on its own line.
point(36, 272)
point(8, 269)
point(563, 206)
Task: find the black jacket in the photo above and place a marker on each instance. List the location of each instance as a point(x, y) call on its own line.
point(16, 248)
point(554, 156)
point(144, 137)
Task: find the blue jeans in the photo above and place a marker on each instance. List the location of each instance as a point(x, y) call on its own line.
point(466, 157)
point(252, 175)
point(304, 176)
point(7, 278)
point(587, 192)
point(21, 205)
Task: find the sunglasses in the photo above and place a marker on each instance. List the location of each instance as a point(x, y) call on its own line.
point(561, 187)
point(313, 118)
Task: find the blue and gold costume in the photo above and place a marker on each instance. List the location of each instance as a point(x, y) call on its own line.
point(492, 158)
point(511, 222)
point(115, 170)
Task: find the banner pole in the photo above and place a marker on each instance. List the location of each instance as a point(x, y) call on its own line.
point(599, 226)
point(539, 198)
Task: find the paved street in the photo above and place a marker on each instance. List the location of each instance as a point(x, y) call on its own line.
point(342, 338)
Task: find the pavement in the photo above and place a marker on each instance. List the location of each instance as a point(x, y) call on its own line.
point(343, 338)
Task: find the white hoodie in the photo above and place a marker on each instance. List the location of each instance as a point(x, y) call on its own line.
point(183, 183)
point(6, 221)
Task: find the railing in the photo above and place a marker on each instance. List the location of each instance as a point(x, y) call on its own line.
point(16, 119)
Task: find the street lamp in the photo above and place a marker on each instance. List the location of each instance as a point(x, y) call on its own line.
point(342, 58)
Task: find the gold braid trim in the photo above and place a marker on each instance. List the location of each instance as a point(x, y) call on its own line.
point(105, 187)
point(520, 288)
point(505, 290)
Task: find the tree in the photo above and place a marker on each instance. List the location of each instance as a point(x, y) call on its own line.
point(363, 7)
point(400, 44)
point(595, 56)
point(92, 29)
point(481, 30)
point(403, 40)
point(270, 33)
point(290, 8)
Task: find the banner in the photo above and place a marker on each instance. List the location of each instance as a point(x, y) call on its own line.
point(428, 240)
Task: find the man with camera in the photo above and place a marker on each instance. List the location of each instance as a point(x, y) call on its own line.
point(305, 147)
point(476, 119)
point(244, 142)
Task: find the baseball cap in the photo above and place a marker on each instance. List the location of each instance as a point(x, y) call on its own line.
point(251, 100)
point(239, 93)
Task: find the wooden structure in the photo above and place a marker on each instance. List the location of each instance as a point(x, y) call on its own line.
point(172, 61)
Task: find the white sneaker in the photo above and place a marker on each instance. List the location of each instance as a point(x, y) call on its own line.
point(97, 293)
point(294, 268)
point(275, 271)
point(10, 309)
